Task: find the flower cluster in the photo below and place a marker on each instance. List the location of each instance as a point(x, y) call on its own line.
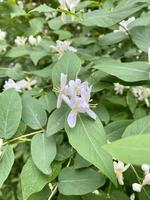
point(20, 85)
point(62, 46)
point(76, 95)
point(21, 40)
point(146, 181)
point(141, 93)
point(119, 168)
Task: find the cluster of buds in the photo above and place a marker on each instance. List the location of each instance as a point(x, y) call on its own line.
point(20, 85)
point(119, 89)
point(120, 168)
point(146, 181)
point(76, 95)
point(62, 46)
point(34, 41)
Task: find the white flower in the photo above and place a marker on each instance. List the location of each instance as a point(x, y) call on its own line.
point(34, 40)
point(136, 187)
point(69, 4)
point(62, 46)
point(11, 84)
point(2, 35)
point(62, 91)
point(132, 197)
point(20, 41)
point(124, 24)
point(142, 94)
point(146, 180)
point(146, 168)
point(1, 1)
point(20, 85)
point(77, 105)
point(77, 96)
point(119, 168)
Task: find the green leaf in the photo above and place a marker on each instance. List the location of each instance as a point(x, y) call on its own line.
point(141, 37)
point(108, 18)
point(68, 64)
point(48, 101)
point(93, 135)
point(64, 152)
point(43, 156)
point(42, 8)
point(133, 149)
point(79, 182)
point(19, 51)
point(6, 163)
point(33, 113)
point(10, 113)
point(130, 72)
point(139, 126)
point(80, 162)
point(32, 180)
point(56, 121)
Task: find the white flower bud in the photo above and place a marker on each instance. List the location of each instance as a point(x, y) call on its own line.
point(145, 168)
point(136, 187)
point(132, 197)
point(146, 180)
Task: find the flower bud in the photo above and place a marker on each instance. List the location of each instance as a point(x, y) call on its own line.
point(136, 187)
point(146, 180)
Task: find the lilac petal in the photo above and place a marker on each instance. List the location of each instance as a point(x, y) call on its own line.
point(72, 119)
point(66, 100)
point(91, 113)
point(59, 101)
point(63, 80)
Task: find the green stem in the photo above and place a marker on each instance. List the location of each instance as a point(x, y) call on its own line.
point(23, 136)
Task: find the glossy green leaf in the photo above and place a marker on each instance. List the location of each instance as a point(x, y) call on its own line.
point(10, 113)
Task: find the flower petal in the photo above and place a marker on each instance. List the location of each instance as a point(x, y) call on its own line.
point(72, 119)
point(91, 113)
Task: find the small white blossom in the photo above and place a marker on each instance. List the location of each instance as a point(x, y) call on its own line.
point(77, 96)
point(132, 197)
point(124, 24)
point(119, 168)
point(146, 180)
point(21, 5)
point(136, 187)
point(2, 35)
point(146, 168)
point(1, 1)
point(34, 40)
point(20, 85)
point(142, 94)
point(20, 41)
point(62, 46)
point(119, 89)
point(69, 4)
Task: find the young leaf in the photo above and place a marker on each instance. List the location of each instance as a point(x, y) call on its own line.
point(10, 113)
point(68, 64)
point(6, 163)
point(33, 113)
point(87, 138)
point(43, 156)
point(32, 180)
point(133, 149)
point(79, 182)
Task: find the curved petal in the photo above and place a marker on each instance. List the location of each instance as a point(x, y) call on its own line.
point(91, 113)
point(72, 119)
point(59, 101)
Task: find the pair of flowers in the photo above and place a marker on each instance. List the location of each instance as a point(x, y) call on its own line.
point(21, 40)
point(76, 95)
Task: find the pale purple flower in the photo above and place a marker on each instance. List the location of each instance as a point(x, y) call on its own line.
point(62, 90)
point(10, 83)
point(69, 4)
point(20, 40)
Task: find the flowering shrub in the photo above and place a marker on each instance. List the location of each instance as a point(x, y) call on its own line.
point(75, 99)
